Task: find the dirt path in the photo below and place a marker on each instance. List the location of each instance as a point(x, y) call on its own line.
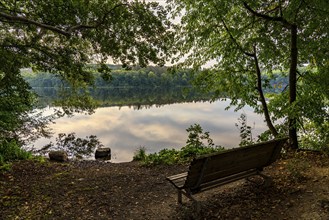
point(96, 190)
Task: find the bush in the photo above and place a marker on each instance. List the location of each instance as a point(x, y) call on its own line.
point(198, 143)
point(315, 136)
point(74, 146)
point(140, 154)
point(165, 156)
point(173, 156)
point(11, 151)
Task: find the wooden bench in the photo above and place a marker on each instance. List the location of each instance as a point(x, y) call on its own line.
point(212, 170)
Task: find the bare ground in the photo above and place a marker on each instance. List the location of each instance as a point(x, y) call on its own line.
point(98, 190)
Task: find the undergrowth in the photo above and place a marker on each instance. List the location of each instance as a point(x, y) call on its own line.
point(11, 151)
point(198, 143)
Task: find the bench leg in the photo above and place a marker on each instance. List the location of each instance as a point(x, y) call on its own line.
point(198, 207)
point(267, 180)
point(179, 193)
point(195, 202)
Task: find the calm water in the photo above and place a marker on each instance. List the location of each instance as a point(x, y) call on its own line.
point(125, 129)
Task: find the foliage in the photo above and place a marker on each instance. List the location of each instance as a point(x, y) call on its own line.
point(197, 138)
point(11, 151)
point(198, 143)
point(315, 136)
point(75, 147)
point(313, 102)
point(150, 76)
point(140, 154)
point(237, 39)
point(62, 37)
point(311, 107)
point(17, 119)
point(266, 135)
point(164, 156)
point(245, 131)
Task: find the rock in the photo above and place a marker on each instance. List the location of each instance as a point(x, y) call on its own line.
point(103, 153)
point(60, 156)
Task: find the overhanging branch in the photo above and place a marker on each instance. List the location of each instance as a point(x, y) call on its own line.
point(235, 41)
point(267, 17)
point(67, 32)
point(98, 23)
point(25, 20)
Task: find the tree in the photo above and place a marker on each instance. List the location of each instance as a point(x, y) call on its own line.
point(248, 39)
point(62, 37)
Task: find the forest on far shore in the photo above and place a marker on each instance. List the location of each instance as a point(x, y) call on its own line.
point(148, 77)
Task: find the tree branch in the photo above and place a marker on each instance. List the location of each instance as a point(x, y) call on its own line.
point(98, 23)
point(262, 97)
point(235, 41)
point(28, 21)
point(267, 17)
point(68, 32)
point(280, 8)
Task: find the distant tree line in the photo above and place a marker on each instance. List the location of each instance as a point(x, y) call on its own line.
point(148, 77)
point(119, 77)
point(135, 97)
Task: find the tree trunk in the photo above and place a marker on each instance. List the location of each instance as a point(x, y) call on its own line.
point(293, 87)
point(292, 72)
point(262, 97)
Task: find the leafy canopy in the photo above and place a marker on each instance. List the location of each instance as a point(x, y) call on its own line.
point(62, 37)
point(241, 36)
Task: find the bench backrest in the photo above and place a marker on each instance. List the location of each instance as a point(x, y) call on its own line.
point(211, 167)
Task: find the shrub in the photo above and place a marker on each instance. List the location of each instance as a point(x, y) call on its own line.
point(315, 136)
point(140, 154)
point(245, 131)
point(11, 151)
point(198, 143)
point(74, 146)
point(165, 156)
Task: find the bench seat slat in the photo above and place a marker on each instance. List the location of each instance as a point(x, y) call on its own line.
point(178, 180)
point(226, 180)
point(177, 176)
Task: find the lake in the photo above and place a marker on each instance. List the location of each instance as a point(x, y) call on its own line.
point(125, 129)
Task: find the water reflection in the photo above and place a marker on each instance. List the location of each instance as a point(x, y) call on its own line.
point(125, 129)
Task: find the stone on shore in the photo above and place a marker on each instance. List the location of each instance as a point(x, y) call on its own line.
point(103, 153)
point(60, 156)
